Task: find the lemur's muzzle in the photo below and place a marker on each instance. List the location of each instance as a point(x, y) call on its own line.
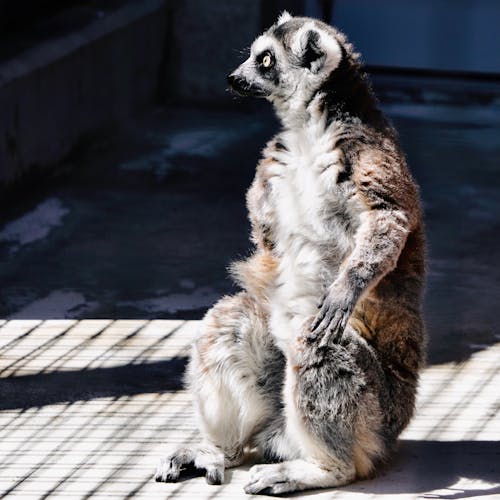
point(243, 87)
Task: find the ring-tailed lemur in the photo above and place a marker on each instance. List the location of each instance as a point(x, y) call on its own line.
point(316, 362)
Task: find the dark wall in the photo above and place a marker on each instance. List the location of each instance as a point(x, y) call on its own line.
point(208, 40)
point(69, 68)
point(16, 14)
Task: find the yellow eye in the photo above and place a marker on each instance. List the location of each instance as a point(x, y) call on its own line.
point(266, 61)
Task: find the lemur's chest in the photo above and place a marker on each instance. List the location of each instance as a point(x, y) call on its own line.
point(310, 193)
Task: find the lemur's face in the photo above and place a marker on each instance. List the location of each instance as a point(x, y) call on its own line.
point(288, 62)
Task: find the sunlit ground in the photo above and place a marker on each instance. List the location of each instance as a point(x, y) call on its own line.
point(87, 408)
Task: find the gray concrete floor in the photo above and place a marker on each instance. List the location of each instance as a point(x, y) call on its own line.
point(87, 407)
point(143, 223)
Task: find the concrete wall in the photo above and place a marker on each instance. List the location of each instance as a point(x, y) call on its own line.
point(143, 53)
point(208, 42)
point(58, 91)
point(206, 39)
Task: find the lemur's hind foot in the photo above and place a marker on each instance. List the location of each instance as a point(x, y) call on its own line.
point(295, 475)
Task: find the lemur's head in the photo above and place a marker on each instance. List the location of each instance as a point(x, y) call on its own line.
point(291, 61)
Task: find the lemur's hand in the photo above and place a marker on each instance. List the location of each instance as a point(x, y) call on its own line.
point(334, 312)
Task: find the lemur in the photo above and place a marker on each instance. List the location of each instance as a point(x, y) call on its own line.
point(315, 363)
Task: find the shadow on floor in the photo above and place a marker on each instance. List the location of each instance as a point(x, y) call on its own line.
point(42, 389)
point(420, 467)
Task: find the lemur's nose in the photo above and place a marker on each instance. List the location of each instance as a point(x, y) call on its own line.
point(236, 82)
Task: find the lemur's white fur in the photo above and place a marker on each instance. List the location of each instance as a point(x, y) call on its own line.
point(304, 176)
point(283, 18)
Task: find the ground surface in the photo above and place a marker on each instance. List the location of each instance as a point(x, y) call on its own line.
point(142, 225)
point(87, 408)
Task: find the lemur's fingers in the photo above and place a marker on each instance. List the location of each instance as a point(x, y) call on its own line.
point(321, 322)
point(166, 472)
point(336, 328)
point(169, 468)
point(192, 461)
point(337, 334)
point(215, 474)
point(211, 459)
point(322, 300)
point(314, 331)
point(323, 317)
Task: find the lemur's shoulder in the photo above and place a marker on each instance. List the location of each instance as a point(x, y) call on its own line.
point(383, 179)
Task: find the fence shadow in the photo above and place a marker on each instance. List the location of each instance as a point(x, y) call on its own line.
point(25, 391)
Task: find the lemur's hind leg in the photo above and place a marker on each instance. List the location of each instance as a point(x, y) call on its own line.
point(228, 376)
point(294, 475)
point(333, 417)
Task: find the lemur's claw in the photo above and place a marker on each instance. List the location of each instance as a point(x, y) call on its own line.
point(329, 324)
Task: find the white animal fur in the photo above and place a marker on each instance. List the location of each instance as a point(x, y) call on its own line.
point(307, 173)
point(283, 18)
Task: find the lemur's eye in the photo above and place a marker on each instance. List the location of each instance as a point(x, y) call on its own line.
point(267, 60)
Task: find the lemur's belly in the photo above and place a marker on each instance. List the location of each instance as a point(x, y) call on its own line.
point(315, 215)
point(310, 240)
point(299, 287)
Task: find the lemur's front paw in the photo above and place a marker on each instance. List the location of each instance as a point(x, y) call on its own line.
point(192, 462)
point(329, 324)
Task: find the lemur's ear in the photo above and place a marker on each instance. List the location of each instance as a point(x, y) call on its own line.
point(284, 17)
point(316, 50)
point(311, 51)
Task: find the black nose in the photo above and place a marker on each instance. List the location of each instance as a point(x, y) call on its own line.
point(236, 82)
